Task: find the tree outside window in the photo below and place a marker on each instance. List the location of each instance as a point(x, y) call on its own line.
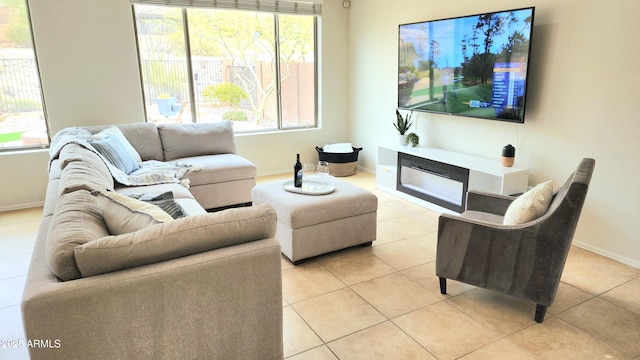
point(22, 119)
point(232, 68)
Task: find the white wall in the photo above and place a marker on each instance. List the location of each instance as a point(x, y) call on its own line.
point(582, 102)
point(87, 56)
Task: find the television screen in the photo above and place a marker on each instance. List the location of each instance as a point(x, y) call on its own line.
point(469, 66)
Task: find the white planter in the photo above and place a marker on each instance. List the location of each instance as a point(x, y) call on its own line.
point(402, 140)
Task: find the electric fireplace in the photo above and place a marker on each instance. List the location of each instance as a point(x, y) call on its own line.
point(439, 183)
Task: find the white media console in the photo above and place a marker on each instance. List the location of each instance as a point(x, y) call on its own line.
point(439, 179)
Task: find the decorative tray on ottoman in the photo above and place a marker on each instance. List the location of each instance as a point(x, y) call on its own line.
point(309, 187)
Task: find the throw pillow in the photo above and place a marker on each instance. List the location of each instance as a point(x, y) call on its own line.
point(164, 201)
point(113, 150)
point(530, 205)
point(116, 132)
point(124, 214)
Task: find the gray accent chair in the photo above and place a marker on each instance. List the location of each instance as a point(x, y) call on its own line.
point(524, 261)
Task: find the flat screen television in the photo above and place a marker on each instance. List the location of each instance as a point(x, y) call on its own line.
point(474, 65)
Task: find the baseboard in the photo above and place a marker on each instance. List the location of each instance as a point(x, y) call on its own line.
point(617, 257)
point(369, 171)
point(21, 206)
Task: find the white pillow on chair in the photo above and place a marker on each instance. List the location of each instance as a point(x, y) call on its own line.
point(530, 205)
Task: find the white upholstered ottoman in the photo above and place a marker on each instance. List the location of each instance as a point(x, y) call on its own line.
point(311, 225)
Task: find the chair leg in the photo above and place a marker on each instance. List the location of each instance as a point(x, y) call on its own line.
point(540, 311)
point(443, 285)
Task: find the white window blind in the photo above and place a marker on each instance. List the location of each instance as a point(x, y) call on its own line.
point(299, 7)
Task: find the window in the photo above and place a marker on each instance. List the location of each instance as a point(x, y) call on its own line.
point(22, 119)
point(256, 69)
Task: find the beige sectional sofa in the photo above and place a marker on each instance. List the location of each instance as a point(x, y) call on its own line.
point(203, 286)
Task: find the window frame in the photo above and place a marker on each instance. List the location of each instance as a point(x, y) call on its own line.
point(193, 101)
point(33, 147)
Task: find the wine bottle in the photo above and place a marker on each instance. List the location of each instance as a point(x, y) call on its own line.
point(297, 172)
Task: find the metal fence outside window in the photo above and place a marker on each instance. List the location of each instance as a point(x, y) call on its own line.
point(19, 86)
point(169, 78)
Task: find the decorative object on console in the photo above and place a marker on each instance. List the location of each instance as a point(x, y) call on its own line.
point(412, 139)
point(508, 155)
point(402, 124)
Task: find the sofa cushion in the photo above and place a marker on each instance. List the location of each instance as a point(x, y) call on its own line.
point(182, 237)
point(115, 152)
point(219, 168)
point(530, 205)
point(123, 214)
point(145, 138)
point(76, 220)
point(483, 216)
point(117, 133)
point(185, 140)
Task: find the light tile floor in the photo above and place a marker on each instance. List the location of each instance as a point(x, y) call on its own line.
point(383, 301)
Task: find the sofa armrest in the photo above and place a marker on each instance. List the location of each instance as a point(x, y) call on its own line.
point(490, 203)
point(225, 303)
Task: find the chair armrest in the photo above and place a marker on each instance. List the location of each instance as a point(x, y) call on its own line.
point(490, 203)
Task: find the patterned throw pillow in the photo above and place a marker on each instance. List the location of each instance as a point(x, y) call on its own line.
point(124, 214)
point(114, 151)
point(116, 132)
point(164, 201)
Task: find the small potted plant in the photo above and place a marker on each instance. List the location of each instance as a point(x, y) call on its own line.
point(412, 139)
point(402, 124)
